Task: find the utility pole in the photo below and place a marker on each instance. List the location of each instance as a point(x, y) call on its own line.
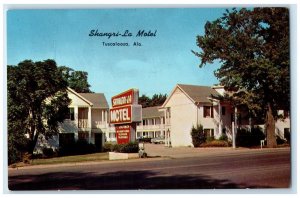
point(234, 129)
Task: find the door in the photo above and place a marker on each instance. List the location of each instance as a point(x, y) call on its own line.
point(98, 141)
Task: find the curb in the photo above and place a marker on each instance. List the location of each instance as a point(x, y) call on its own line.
point(85, 163)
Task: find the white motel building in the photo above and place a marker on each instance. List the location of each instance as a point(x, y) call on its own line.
point(185, 107)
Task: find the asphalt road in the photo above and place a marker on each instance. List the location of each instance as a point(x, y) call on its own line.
point(230, 170)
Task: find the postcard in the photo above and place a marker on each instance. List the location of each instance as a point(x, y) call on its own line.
point(148, 99)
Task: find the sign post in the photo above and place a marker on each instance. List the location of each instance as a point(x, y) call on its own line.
point(125, 114)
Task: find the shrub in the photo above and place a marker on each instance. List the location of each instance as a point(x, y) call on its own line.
point(247, 138)
point(48, 152)
point(108, 146)
point(131, 147)
point(287, 135)
point(215, 143)
point(279, 140)
point(209, 139)
point(223, 137)
point(198, 136)
point(79, 147)
point(18, 145)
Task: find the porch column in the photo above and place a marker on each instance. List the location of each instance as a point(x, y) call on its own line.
point(102, 117)
point(220, 119)
point(76, 122)
point(234, 128)
point(161, 126)
point(106, 118)
point(166, 133)
point(90, 123)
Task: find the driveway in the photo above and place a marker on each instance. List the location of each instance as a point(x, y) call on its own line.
point(159, 150)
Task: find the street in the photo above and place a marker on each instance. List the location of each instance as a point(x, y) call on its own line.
point(230, 169)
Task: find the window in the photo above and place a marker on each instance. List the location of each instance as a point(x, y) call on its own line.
point(208, 111)
point(223, 110)
point(112, 135)
point(169, 111)
point(70, 114)
point(224, 131)
point(209, 132)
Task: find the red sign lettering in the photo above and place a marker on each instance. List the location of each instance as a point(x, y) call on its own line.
point(121, 115)
point(123, 134)
point(125, 98)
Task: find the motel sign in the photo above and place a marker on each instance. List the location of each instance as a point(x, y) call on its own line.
point(125, 114)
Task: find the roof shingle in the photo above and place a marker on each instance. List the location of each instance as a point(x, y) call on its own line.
point(98, 99)
point(199, 93)
point(152, 112)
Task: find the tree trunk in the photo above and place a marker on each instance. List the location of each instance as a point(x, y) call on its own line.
point(270, 128)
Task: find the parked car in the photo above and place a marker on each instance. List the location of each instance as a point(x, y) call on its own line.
point(144, 139)
point(158, 140)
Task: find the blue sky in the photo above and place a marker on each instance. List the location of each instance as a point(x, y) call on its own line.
point(155, 67)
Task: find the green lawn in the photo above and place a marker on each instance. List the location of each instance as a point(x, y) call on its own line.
point(71, 159)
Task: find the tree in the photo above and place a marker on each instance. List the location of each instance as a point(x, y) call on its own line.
point(77, 80)
point(156, 100)
point(252, 47)
point(144, 101)
point(37, 102)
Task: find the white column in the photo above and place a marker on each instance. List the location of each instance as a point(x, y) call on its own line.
point(90, 123)
point(233, 134)
point(220, 118)
point(166, 133)
point(76, 122)
point(234, 127)
point(105, 118)
point(102, 116)
point(161, 126)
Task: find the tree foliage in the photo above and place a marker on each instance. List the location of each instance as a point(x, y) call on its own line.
point(77, 80)
point(37, 102)
point(252, 47)
point(156, 100)
point(198, 135)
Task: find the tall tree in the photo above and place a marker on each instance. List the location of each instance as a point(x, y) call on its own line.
point(37, 102)
point(156, 100)
point(77, 80)
point(144, 101)
point(252, 47)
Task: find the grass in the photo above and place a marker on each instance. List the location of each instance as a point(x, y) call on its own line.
point(66, 159)
point(71, 159)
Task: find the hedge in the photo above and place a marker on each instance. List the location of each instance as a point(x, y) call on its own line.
point(131, 147)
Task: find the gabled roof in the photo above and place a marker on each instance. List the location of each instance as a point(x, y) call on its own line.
point(197, 94)
point(152, 112)
point(81, 97)
point(97, 99)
